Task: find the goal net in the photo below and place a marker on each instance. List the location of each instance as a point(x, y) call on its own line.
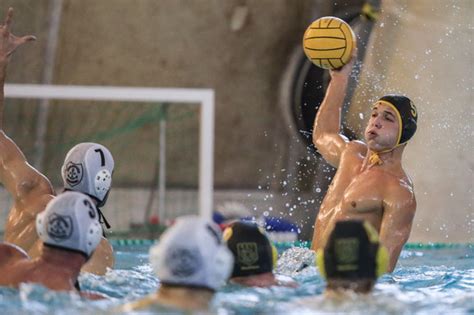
point(161, 139)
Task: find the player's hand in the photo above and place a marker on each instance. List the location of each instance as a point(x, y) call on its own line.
point(346, 70)
point(9, 42)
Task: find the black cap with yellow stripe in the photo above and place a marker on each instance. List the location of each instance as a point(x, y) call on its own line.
point(253, 252)
point(406, 112)
point(353, 252)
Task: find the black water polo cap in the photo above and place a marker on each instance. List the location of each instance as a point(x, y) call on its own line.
point(253, 252)
point(349, 253)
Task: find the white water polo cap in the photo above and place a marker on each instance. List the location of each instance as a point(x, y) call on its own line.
point(88, 168)
point(70, 221)
point(191, 253)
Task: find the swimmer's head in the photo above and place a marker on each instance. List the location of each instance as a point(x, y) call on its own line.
point(393, 122)
point(353, 257)
point(70, 221)
point(253, 252)
point(88, 168)
point(191, 254)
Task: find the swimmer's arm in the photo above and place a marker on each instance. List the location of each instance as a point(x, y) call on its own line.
point(326, 130)
point(101, 259)
point(397, 220)
point(15, 173)
point(19, 177)
point(8, 44)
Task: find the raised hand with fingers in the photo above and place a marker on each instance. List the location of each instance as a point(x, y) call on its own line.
point(9, 42)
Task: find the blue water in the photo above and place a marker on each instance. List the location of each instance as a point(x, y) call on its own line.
point(429, 281)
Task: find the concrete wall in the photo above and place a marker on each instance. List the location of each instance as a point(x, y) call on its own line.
point(175, 43)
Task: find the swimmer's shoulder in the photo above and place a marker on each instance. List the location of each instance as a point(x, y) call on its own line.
point(400, 181)
point(356, 147)
point(399, 191)
point(10, 253)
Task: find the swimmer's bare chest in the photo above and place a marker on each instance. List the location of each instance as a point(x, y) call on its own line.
point(355, 193)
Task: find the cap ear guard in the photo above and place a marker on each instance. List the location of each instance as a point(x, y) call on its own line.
point(274, 255)
point(227, 233)
point(320, 263)
point(383, 258)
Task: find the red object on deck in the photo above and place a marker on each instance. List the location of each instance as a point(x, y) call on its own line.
point(154, 220)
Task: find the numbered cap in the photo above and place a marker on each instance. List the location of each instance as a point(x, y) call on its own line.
point(88, 168)
point(70, 221)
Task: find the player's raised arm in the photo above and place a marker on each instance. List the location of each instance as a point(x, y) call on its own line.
point(15, 173)
point(8, 44)
point(326, 130)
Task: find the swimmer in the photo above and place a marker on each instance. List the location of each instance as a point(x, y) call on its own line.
point(353, 258)
point(255, 256)
point(191, 262)
point(370, 183)
point(87, 169)
point(70, 231)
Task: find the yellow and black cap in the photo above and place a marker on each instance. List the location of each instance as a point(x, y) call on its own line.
point(407, 115)
point(353, 252)
point(253, 252)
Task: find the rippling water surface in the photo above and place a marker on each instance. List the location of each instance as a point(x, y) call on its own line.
point(430, 281)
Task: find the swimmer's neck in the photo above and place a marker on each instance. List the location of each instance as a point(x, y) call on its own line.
point(390, 159)
point(64, 261)
point(262, 280)
point(184, 298)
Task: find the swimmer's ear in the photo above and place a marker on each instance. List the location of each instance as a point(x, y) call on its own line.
point(383, 257)
point(320, 262)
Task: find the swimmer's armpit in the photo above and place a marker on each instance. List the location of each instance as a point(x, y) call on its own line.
point(10, 253)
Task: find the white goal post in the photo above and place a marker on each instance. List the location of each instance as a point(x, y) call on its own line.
point(203, 97)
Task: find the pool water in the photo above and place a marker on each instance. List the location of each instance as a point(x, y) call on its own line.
point(426, 281)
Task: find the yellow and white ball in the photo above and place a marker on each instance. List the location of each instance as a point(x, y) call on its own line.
point(328, 42)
